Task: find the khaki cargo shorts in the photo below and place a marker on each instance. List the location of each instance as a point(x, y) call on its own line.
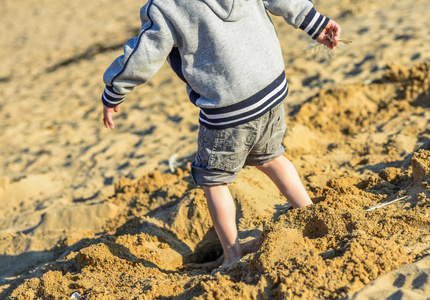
point(222, 153)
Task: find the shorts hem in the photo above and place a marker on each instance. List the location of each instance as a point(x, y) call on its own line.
point(259, 162)
point(205, 177)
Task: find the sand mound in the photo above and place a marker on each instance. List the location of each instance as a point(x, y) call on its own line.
point(410, 282)
point(328, 250)
point(337, 246)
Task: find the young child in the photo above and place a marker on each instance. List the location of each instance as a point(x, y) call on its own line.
point(228, 54)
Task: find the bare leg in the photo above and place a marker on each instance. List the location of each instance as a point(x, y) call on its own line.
point(223, 213)
point(282, 172)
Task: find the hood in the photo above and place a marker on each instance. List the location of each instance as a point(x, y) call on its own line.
point(228, 10)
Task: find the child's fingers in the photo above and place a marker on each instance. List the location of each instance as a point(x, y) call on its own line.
point(336, 32)
point(329, 44)
point(328, 41)
point(330, 36)
point(109, 122)
point(107, 117)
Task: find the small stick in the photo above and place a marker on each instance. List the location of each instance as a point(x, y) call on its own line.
point(387, 203)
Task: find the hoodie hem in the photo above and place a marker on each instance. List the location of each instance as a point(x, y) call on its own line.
point(248, 109)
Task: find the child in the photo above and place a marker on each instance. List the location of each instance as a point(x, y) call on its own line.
point(228, 54)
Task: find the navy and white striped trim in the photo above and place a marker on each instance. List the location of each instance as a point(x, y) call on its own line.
point(111, 98)
point(248, 109)
point(314, 23)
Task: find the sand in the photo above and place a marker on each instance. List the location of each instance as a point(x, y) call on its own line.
point(99, 212)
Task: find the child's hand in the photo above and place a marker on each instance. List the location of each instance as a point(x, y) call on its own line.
point(107, 116)
point(330, 35)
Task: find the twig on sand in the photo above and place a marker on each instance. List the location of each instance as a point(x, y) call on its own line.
point(388, 203)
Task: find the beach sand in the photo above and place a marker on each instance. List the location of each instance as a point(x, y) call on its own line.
point(99, 212)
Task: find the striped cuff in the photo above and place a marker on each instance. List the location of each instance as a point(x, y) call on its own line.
point(111, 98)
point(314, 23)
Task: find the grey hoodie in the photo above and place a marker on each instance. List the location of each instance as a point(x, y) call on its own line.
point(226, 51)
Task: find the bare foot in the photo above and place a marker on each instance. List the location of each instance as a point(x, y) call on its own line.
point(226, 264)
point(208, 266)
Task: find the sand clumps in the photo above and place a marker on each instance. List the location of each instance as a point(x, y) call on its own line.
point(415, 82)
point(325, 251)
point(362, 126)
point(396, 283)
point(337, 247)
point(421, 165)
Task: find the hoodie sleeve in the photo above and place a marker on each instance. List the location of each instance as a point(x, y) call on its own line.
point(143, 56)
point(300, 14)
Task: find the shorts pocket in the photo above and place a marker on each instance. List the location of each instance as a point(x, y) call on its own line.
point(203, 146)
point(278, 128)
point(230, 149)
